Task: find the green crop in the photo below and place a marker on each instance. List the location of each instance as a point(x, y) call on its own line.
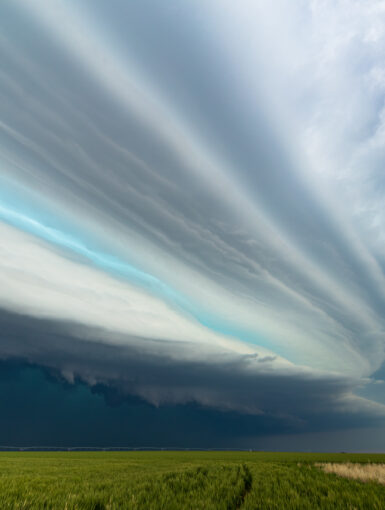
point(181, 480)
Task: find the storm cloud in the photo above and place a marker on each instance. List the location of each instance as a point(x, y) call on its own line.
point(191, 202)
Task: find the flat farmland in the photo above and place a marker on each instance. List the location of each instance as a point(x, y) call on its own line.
point(188, 480)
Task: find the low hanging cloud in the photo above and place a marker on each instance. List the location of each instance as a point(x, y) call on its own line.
point(162, 373)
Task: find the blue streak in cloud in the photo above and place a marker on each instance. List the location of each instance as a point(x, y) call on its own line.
point(33, 223)
point(44, 225)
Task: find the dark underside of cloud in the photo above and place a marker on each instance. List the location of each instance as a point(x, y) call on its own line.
point(60, 390)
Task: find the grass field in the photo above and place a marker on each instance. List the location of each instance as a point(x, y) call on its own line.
point(182, 480)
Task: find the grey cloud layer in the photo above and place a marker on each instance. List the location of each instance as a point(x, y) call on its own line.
point(247, 384)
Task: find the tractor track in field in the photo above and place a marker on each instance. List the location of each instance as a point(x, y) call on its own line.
point(248, 482)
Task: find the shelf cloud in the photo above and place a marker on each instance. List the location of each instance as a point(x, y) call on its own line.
point(191, 202)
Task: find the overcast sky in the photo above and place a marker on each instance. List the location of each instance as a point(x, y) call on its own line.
point(192, 221)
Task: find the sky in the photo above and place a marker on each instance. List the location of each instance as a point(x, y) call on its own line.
point(192, 226)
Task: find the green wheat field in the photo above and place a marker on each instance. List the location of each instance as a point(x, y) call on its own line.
point(182, 480)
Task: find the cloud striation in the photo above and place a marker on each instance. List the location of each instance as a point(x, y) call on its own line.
point(191, 202)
